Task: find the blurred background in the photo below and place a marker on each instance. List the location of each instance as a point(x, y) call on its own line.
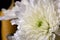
point(6, 28)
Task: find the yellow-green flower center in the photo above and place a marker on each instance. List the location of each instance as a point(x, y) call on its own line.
point(39, 23)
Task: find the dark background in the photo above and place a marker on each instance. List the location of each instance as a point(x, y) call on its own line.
point(5, 4)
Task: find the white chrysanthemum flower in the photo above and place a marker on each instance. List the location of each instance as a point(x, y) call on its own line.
point(37, 20)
